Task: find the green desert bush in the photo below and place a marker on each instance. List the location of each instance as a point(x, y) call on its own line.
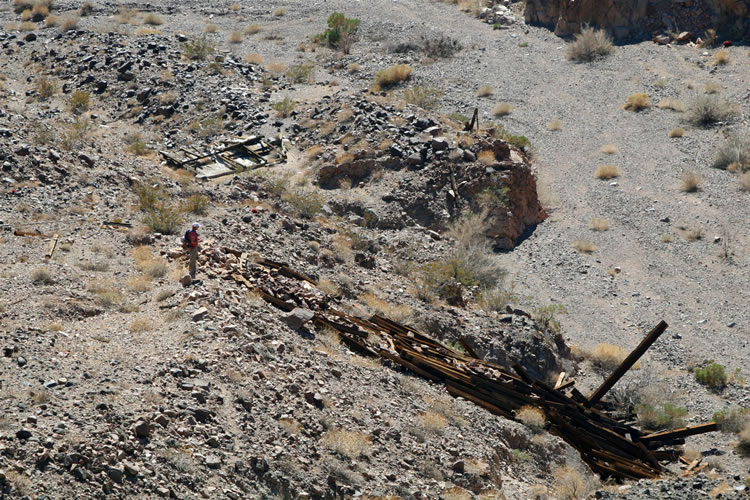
point(300, 73)
point(284, 107)
point(590, 45)
point(79, 102)
point(340, 33)
point(164, 219)
point(713, 375)
point(198, 49)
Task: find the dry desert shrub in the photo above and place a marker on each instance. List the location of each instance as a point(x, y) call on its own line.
point(254, 59)
point(236, 7)
point(599, 224)
point(532, 417)
point(607, 172)
point(105, 293)
point(721, 58)
point(661, 416)
point(252, 29)
point(690, 182)
point(711, 88)
point(139, 284)
point(69, 23)
point(52, 20)
point(353, 67)
point(487, 157)
point(673, 104)
point(677, 132)
point(692, 233)
point(734, 154)
point(153, 19)
point(276, 68)
point(397, 312)
point(570, 484)
point(279, 12)
point(392, 76)
point(502, 109)
point(433, 421)
point(609, 149)
point(347, 443)
point(484, 91)
point(707, 110)
point(140, 325)
point(732, 420)
point(147, 263)
point(744, 181)
point(584, 246)
point(210, 28)
point(554, 125)
point(424, 97)
point(607, 357)
point(590, 45)
point(42, 276)
point(637, 102)
point(46, 87)
point(235, 37)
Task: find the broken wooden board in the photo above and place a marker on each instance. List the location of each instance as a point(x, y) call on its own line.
point(51, 247)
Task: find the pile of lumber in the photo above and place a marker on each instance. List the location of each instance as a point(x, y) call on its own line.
point(610, 446)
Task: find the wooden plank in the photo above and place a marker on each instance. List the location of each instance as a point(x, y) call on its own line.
point(628, 362)
point(680, 433)
point(468, 348)
point(51, 248)
point(29, 233)
point(560, 379)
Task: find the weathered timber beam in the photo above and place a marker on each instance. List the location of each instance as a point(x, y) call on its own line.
point(469, 350)
point(628, 363)
point(681, 433)
point(51, 248)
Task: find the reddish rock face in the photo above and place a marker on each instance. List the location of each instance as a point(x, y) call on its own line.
point(625, 18)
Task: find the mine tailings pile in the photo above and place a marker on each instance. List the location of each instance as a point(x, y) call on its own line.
point(610, 446)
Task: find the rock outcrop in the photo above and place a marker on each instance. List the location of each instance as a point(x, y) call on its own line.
point(633, 18)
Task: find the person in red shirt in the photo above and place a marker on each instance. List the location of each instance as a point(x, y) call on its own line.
point(191, 243)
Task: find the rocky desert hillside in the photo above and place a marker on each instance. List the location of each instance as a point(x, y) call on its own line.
point(369, 174)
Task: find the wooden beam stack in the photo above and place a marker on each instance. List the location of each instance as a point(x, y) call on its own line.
point(611, 448)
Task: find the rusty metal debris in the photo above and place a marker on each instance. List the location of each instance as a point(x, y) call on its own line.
point(611, 447)
point(229, 157)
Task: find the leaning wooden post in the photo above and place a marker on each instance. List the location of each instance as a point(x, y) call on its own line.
point(627, 363)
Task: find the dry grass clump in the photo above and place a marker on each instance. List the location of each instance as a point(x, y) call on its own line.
point(46, 87)
point(609, 149)
point(433, 421)
point(252, 29)
point(707, 110)
point(637, 102)
point(607, 172)
point(105, 293)
point(210, 28)
point(677, 132)
point(392, 76)
point(673, 104)
point(42, 276)
point(236, 7)
point(584, 246)
point(690, 182)
point(147, 263)
point(153, 19)
point(139, 284)
point(140, 325)
point(590, 45)
point(554, 125)
point(721, 58)
point(570, 484)
point(254, 59)
point(599, 224)
point(397, 312)
point(487, 157)
point(692, 233)
point(279, 12)
point(711, 88)
point(502, 109)
point(607, 357)
point(69, 23)
point(86, 9)
point(732, 420)
point(744, 181)
point(347, 443)
point(532, 417)
point(276, 67)
point(734, 154)
point(235, 37)
point(353, 67)
point(485, 90)
point(52, 20)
